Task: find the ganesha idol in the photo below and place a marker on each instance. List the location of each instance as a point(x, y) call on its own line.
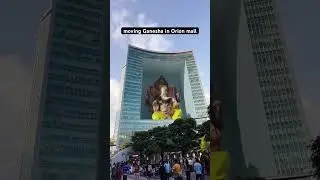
point(163, 101)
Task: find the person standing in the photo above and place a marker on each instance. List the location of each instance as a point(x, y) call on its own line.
point(114, 172)
point(188, 170)
point(119, 172)
point(162, 171)
point(136, 171)
point(190, 162)
point(202, 162)
point(207, 165)
point(176, 169)
point(193, 160)
point(197, 167)
point(149, 171)
point(125, 171)
point(131, 168)
point(167, 170)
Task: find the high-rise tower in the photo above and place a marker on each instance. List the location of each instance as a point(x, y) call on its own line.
point(143, 72)
point(63, 114)
point(265, 128)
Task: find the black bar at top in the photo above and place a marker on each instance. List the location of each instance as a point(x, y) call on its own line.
point(159, 30)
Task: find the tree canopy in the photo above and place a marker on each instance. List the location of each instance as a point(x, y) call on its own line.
point(181, 135)
point(204, 130)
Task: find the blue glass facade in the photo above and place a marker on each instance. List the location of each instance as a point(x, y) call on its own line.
point(142, 69)
point(65, 107)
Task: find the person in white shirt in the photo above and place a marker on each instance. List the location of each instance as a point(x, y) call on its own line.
point(131, 169)
point(149, 171)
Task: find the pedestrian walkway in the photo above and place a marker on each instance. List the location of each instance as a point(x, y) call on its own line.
point(193, 177)
point(132, 177)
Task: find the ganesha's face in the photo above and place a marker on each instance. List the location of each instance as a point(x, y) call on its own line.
point(164, 90)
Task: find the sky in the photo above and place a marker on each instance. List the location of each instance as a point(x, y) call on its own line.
point(19, 21)
point(146, 13)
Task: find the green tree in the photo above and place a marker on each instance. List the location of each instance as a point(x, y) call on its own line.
point(139, 141)
point(204, 130)
point(159, 140)
point(315, 156)
point(126, 143)
point(183, 133)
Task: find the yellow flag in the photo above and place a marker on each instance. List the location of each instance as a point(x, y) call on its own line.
point(203, 143)
point(219, 165)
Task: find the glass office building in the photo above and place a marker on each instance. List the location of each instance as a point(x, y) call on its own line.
point(143, 70)
point(265, 128)
point(285, 120)
point(64, 109)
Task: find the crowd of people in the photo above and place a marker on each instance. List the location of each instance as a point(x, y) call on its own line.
point(176, 169)
point(121, 169)
point(180, 170)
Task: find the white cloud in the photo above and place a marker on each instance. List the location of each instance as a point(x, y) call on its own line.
point(121, 17)
point(114, 103)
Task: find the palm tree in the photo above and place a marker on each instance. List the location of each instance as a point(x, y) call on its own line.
point(315, 156)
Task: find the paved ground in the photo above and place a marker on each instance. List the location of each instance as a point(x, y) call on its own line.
point(193, 177)
point(132, 177)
